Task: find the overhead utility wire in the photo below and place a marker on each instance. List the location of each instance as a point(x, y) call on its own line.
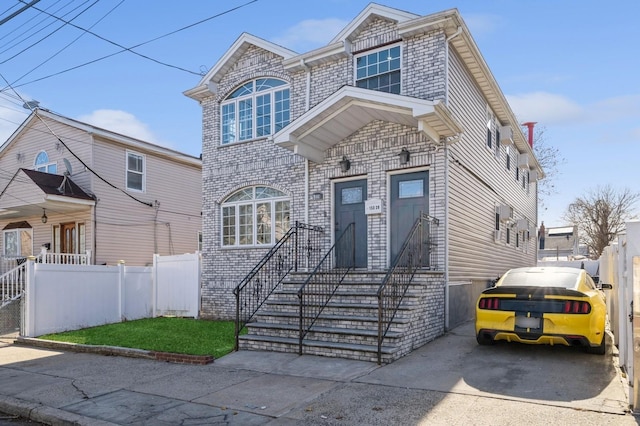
point(67, 45)
point(8, 46)
point(19, 11)
point(133, 47)
point(35, 111)
point(53, 32)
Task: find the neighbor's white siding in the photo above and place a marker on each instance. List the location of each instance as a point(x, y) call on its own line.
point(165, 220)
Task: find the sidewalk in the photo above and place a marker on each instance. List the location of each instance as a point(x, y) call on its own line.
point(450, 381)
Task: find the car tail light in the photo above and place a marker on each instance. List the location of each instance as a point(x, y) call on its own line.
point(576, 307)
point(492, 303)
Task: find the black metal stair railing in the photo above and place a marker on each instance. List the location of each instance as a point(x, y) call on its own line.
point(299, 249)
point(322, 283)
point(416, 253)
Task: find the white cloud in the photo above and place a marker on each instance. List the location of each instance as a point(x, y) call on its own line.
point(310, 34)
point(11, 116)
point(547, 108)
point(120, 122)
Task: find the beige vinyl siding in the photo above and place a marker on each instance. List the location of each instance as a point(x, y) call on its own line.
point(478, 182)
point(132, 231)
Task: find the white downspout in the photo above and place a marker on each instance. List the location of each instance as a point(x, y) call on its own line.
point(306, 160)
point(446, 184)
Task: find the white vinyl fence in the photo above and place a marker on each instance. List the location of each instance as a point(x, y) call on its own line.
point(620, 266)
point(69, 297)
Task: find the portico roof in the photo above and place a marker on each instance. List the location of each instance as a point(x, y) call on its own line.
point(351, 108)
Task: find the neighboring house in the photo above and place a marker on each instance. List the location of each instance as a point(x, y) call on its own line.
point(74, 188)
point(559, 243)
point(400, 113)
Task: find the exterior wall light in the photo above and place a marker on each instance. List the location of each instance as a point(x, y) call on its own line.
point(345, 164)
point(44, 217)
point(404, 156)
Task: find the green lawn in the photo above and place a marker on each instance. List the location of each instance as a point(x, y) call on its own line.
point(176, 335)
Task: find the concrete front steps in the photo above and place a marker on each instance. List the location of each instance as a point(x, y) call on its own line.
point(346, 328)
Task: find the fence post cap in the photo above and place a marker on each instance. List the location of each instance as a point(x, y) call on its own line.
point(121, 262)
point(31, 257)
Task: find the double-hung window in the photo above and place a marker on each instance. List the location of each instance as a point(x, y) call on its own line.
point(255, 216)
point(255, 109)
point(17, 242)
point(42, 163)
point(379, 70)
point(135, 171)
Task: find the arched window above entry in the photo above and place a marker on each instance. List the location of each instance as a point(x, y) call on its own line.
point(255, 216)
point(257, 108)
point(42, 163)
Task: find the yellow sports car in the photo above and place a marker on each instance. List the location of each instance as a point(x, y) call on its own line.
point(544, 305)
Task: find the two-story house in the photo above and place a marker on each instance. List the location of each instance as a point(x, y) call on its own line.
point(396, 117)
point(80, 190)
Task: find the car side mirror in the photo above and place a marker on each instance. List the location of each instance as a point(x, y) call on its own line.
point(604, 286)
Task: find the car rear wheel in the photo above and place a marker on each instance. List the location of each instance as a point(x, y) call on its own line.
point(600, 349)
point(484, 339)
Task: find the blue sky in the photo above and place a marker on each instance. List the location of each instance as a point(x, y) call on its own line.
point(571, 66)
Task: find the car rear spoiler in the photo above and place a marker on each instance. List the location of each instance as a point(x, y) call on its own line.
point(537, 291)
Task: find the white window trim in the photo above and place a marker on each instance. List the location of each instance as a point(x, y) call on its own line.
point(44, 165)
point(368, 52)
point(254, 117)
point(18, 230)
point(253, 202)
point(144, 171)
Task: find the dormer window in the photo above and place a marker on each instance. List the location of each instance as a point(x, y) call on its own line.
point(256, 109)
point(42, 163)
point(379, 70)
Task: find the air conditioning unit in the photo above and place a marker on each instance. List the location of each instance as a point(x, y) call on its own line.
point(522, 224)
point(533, 176)
point(505, 212)
point(523, 161)
point(506, 135)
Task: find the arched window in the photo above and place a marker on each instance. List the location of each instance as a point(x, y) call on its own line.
point(42, 163)
point(257, 108)
point(255, 216)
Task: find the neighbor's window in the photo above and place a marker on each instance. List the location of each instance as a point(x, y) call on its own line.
point(135, 171)
point(42, 163)
point(255, 216)
point(255, 109)
point(17, 242)
point(379, 70)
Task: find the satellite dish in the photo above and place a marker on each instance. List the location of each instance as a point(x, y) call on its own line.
point(67, 165)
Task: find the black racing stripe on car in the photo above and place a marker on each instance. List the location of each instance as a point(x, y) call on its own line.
point(534, 291)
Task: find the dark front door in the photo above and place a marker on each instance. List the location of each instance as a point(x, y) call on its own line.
point(349, 208)
point(409, 197)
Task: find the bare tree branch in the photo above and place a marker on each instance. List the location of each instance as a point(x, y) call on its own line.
point(601, 215)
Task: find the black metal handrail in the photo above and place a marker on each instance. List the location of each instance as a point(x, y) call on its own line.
point(415, 254)
point(322, 283)
point(298, 249)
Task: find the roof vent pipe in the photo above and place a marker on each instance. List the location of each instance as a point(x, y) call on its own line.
point(530, 125)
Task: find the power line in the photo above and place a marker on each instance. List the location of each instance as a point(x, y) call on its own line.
point(53, 32)
point(19, 11)
point(68, 44)
point(133, 47)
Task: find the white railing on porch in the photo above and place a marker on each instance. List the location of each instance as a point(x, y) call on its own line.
point(12, 270)
point(12, 284)
point(64, 258)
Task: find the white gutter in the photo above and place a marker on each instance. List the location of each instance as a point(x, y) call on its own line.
point(446, 184)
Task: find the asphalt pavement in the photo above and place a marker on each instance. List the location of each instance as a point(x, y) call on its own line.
point(450, 381)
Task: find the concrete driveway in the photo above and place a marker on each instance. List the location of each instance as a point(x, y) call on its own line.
point(450, 381)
